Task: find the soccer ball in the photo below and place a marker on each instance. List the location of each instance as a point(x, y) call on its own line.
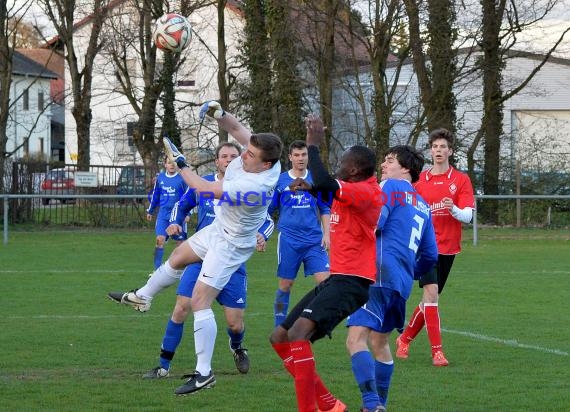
point(172, 33)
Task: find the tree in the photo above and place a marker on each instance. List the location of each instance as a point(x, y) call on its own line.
point(63, 14)
point(270, 52)
point(287, 118)
point(255, 52)
point(6, 53)
point(501, 21)
point(383, 41)
point(26, 35)
point(436, 78)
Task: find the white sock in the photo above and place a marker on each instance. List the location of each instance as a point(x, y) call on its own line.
point(161, 278)
point(205, 331)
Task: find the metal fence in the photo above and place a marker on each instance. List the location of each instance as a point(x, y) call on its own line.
point(129, 211)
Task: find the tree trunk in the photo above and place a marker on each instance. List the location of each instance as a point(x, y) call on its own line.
point(492, 66)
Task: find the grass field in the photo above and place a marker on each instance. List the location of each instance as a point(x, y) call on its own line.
point(65, 347)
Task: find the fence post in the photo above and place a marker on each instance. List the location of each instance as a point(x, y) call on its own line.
point(475, 223)
point(5, 220)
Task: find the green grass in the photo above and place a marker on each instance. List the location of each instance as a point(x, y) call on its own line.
point(65, 347)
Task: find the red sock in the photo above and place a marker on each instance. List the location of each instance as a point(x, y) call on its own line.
point(415, 325)
point(304, 375)
point(284, 352)
point(432, 325)
point(325, 399)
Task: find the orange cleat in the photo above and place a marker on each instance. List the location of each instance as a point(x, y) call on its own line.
point(338, 407)
point(439, 359)
point(402, 348)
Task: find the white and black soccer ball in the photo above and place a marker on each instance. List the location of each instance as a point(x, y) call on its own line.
point(172, 33)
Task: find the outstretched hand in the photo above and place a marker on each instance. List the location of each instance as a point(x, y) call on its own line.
point(211, 108)
point(315, 129)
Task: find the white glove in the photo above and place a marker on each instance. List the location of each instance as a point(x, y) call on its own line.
point(211, 108)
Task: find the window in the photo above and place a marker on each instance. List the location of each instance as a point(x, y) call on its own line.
point(40, 100)
point(41, 139)
point(26, 100)
point(186, 83)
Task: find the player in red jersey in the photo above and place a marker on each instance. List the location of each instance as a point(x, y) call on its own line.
point(450, 196)
point(356, 205)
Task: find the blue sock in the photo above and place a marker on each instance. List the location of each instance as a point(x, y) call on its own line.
point(158, 254)
point(383, 373)
point(170, 341)
point(363, 370)
point(235, 338)
point(280, 306)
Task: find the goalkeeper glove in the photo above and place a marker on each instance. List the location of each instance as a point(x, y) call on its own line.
point(211, 108)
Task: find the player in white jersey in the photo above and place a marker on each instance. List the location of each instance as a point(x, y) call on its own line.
point(242, 201)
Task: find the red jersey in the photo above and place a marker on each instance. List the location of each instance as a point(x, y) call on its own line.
point(354, 215)
point(433, 188)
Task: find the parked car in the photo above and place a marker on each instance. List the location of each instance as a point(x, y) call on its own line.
point(58, 182)
point(132, 182)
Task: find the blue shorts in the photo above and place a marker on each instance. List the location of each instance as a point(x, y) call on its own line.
point(384, 311)
point(290, 255)
point(233, 295)
point(162, 224)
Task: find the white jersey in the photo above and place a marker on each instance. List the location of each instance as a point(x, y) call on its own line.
point(242, 209)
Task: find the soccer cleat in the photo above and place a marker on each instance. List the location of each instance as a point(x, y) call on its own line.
point(157, 373)
point(379, 408)
point(241, 358)
point(402, 348)
point(131, 299)
point(116, 297)
point(439, 359)
point(172, 151)
point(338, 407)
point(196, 382)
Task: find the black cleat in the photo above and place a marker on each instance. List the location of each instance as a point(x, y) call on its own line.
point(196, 382)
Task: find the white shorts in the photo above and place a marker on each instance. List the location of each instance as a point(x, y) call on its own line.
point(220, 257)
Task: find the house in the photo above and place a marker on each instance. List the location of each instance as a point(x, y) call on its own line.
point(54, 62)
point(113, 114)
point(29, 126)
point(536, 121)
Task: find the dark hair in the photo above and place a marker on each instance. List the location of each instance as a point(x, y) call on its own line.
point(365, 159)
point(297, 144)
point(442, 133)
point(227, 144)
point(409, 158)
point(269, 144)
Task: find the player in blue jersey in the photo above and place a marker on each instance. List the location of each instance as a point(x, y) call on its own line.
point(232, 297)
point(406, 249)
point(304, 230)
point(168, 189)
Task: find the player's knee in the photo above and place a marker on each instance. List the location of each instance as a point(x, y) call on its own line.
point(285, 285)
point(181, 312)
point(279, 335)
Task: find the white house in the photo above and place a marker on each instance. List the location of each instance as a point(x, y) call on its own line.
point(29, 126)
point(196, 82)
point(536, 126)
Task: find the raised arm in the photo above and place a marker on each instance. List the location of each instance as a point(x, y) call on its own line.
point(226, 121)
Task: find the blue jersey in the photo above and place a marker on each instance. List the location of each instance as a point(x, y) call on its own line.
point(205, 209)
point(405, 245)
point(166, 192)
point(299, 212)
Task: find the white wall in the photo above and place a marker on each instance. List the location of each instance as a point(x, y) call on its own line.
point(111, 110)
point(31, 122)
